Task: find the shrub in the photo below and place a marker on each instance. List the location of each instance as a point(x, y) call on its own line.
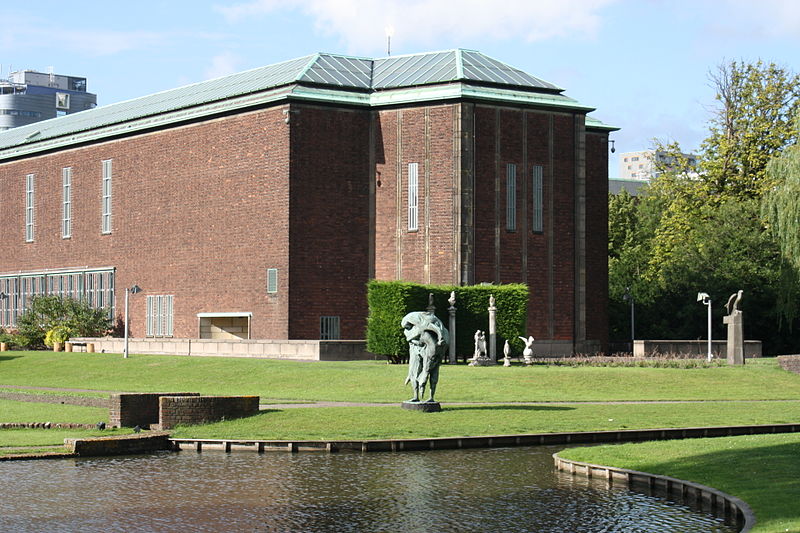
point(390, 301)
point(48, 312)
point(58, 334)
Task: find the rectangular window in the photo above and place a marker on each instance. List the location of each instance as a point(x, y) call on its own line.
point(159, 316)
point(66, 218)
point(413, 196)
point(106, 216)
point(538, 200)
point(329, 328)
point(95, 287)
point(511, 197)
point(29, 201)
point(272, 280)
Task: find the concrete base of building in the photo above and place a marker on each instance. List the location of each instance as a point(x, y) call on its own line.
point(300, 350)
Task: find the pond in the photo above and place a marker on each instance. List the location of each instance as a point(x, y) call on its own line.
point(509, 489)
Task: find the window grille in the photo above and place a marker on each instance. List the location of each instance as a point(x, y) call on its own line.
point(29, 203)
point(329, 328)
point(66, 220)
point(538, 200)
point(272, 280)
point(413, 196)
point(159, 316)
point(106, 215)
point(511, 197)
point(96, 287)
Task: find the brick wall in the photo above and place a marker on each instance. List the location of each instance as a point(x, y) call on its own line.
point(199, 212)
point(137, 409)
point(790, 363)
point(597, 238)
point(174, 410)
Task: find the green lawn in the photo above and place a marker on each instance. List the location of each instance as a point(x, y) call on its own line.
point(762, 470)
point(376, 381)
point(26, 412)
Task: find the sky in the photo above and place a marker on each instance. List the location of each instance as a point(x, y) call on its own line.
point(643, 64)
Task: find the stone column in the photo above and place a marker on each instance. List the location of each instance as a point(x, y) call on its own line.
point(735, 338)
point(492, 330)
point(452, 311)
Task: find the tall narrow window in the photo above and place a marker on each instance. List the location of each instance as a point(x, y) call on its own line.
point(413, 196)
point(272, 280)
point(29, 200)
point(511, 197)
point(66, 218)
point(106, 217)
point(159, 316)
point(538, 200)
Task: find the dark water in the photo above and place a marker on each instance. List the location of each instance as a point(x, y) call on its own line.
point(512, 489)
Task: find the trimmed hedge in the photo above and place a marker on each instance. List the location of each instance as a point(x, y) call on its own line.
point(390, 301)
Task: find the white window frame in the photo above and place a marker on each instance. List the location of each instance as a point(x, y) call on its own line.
point(413, 196)
point(66, 212)
point(329, 328)
point(511, 197)
point(537, 197)
point(30, 199)
point(106, 201)
point(272, 281)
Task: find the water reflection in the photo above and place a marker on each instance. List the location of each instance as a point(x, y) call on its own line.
point(513, 489)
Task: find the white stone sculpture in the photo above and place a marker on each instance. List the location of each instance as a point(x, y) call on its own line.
point(506, 352)
point(527, 353)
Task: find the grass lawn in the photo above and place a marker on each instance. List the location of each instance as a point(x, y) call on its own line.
point(376, 381)
point(361, 423)
point(26, 412)
point(762, 470)
point(33, 441)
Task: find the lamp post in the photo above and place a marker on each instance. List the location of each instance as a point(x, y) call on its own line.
point(628, 297)
point(706, 299)
point(133, 290)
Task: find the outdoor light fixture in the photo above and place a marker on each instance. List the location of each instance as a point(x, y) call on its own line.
point(612, 146)
point(706, 300)
point(3, 296)
point(133, 290)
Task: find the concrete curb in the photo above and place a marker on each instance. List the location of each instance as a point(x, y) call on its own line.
point(709, 499)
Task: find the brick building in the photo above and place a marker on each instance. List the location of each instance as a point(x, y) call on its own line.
point(259, 204)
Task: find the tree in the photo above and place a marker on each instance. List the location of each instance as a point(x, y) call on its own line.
point(754, 122)
point(49, 312)
point(781, 207)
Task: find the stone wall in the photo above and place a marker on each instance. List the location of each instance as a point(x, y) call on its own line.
point(174, 410)
point(790, 363)
point(137, 409)
point(653, 348)
point(119, 445)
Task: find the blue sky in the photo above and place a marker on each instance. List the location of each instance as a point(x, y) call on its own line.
point(643, 64)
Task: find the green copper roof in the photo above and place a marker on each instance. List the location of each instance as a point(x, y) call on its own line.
point(320, 77)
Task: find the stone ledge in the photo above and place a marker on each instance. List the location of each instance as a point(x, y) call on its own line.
point(717, 502)
point(119, 444)
point(790, 363)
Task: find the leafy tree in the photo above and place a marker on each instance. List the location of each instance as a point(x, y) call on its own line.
point(753, 123)
point(49, 312)
point(781, 205)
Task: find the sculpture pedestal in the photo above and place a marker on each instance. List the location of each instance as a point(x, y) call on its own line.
point(735, 338)
point(480, 361)
point(425, 407)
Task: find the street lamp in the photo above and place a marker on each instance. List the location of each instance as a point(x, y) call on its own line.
point(706, 299)
point(628, 297)
point(133, 290)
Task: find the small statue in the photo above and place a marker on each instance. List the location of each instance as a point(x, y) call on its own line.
point(734, 303)
point(452, 299)
point(427, 342)
point(506, 352)
point(491, 302)
point(528, 351)
point(480, 344)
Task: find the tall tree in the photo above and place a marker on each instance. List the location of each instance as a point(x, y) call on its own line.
point(753, 122)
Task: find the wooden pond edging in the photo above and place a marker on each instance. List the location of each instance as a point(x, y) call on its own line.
point(714, 501)
point(495, 441)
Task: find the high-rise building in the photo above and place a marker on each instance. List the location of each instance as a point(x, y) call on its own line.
point(644, 165)
point(28, 96)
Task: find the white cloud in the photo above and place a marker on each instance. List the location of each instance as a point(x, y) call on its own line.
point(765, 19)
point(222, 65)
point(361, 24)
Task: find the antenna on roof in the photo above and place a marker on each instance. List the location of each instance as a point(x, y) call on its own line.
point(389, 33)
